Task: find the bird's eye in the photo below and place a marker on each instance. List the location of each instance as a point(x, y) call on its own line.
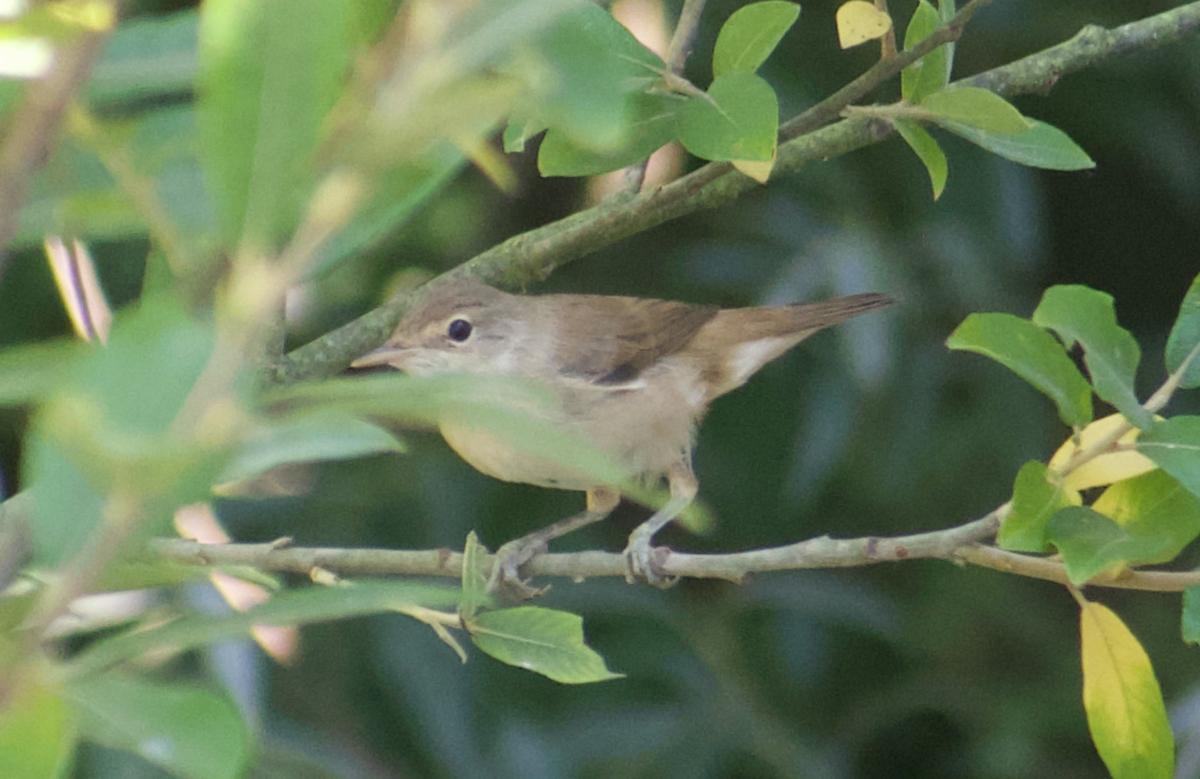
point(459, 330)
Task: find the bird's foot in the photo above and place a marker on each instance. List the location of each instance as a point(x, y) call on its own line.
point(646, 562)
point(506, 571)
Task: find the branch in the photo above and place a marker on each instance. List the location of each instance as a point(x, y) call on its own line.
point(532, 256)
point(684, 35)
point(1092, 46)
point(960, 544)
point(881, 72)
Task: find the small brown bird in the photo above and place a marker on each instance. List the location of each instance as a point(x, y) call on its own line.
point(634, 376)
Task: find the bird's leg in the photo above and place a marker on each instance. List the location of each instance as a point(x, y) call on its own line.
point(639, 555)
point(509, 558)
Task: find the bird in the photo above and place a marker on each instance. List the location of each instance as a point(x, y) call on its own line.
point(632, 376)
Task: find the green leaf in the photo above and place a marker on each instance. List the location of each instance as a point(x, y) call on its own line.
point(111, 426)
point(1184, 338)
point(1153, 506)
point(518, 131)
point(596, 62)
point(1041, 146)
point(1174, 445)
point(652, 121)
point(66, 506)
point(1091, 543)
point(164, 144)
point(31, 372)
point(544, 641)
point(1190, 622)
point(1085, 316)
point(475, 574)
point(147, 58)
point(149, 572)
point(581, 74)
point(927, 150)
point(507, 409)
point(75, 195)
point(327, 435)
point(975, 107)
point(739, 121)
point(37, 733)
point(270, 70)
point(394, 199)
point(293, 607)
point(946, 10)
point(16, 540)
point(1123, 701)
point(189, 731)
point(750, 35)
point(1034, 355)
point(155, 354)
point(157, 279)
point(1145, 520)
point(930, 73)
point(1034, 501)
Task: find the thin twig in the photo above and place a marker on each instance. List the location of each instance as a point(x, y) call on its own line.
point(633, 178)
point(887, 44)
point(1052, 570)
point(958, 544)
point(115, 156)
point(684, 35)
point(831, 107)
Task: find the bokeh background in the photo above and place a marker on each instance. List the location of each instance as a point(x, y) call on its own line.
point(916, 669)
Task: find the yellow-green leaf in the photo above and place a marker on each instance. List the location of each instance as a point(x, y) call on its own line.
point(1121, 696)
point(37, 734)
point(859, 21)
point(759, 171)
point(1106, 468)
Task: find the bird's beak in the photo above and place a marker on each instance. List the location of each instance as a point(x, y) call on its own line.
point(388, 354)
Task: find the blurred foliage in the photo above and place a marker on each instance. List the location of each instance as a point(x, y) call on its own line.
point(917, 669)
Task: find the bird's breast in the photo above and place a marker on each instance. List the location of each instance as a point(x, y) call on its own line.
point(643, 429)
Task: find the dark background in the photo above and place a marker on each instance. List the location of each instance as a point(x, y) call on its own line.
point(914, 669)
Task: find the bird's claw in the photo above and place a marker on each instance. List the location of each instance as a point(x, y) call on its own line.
point(506, 571)
point(646, 562)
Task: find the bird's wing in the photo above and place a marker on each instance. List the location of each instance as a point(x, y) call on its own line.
point(610, 341)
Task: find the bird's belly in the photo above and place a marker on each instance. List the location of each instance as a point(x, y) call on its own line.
point(493, 455)
point(642, 431)
point(647, 429)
